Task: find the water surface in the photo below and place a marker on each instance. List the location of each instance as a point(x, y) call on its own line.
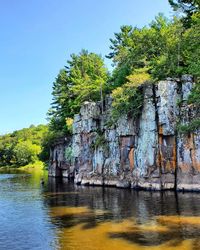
point(60, 215)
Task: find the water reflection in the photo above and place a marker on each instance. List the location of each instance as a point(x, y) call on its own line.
point(97, 218)
point(60, 215)
point(24, 220)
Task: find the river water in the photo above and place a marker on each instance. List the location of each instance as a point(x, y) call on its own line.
point(59, 215)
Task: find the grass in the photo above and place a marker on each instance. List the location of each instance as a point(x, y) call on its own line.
point(36, 166)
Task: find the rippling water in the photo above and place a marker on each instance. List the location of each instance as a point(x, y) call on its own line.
point(60, 215)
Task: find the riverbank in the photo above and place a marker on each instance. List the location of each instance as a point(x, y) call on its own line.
point(36, 166)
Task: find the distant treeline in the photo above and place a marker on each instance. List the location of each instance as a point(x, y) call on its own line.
point(24, 146)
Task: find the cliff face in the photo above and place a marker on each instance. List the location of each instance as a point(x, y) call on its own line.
point(146, 152)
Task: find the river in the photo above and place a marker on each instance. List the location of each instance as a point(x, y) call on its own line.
point(60, 215)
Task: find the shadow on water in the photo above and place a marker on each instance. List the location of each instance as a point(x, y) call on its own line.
point(154, 218)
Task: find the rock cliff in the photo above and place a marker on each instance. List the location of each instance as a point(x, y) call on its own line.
point(147, 152)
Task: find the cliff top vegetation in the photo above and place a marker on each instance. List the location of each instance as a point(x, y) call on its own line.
point(164, 48)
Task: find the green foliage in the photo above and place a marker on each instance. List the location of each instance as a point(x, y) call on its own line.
point(187, 7)
point(118, 77)
point(194, 97)
point(62, 105)
point(191, 46)
point(81, 80)
point(50, 138)
point(179, 102)
point(100, 141)
point(69, 154)
point(87, 74)
point(128, 99)
point(23, 146)
point(38, 166)
point(191, 127)
point(166, 48)
point(26, 152)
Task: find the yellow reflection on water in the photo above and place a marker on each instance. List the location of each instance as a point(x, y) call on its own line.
point(61, 211)
point(99, 237)
point(153, 227)
point(177, 220)
point(84, 211)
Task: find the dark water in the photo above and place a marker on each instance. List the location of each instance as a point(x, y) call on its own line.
point(60, 215)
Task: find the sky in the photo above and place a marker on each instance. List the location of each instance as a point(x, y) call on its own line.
point(37, 38)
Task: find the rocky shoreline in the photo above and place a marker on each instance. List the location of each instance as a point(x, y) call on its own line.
point(144, 153)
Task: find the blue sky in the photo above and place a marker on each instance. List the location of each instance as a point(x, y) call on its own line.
point(38, 36)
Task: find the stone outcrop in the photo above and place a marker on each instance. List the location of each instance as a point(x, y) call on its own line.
point(59, 165)
point(146, 152)
point(188, 146)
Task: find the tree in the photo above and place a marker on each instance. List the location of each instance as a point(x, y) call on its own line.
point(157, 48)
point(81, 80)
point(6, 150)
point(62, 105)
point(128, 99)
point(26, 152)
point(22, 146)
point(88, 74)
point(191, 47)
point(188, 7)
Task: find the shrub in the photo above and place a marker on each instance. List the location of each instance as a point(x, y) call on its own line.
point(128, 99)
point(188, 128)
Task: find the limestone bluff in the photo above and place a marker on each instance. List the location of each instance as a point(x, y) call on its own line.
point(146, 152)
